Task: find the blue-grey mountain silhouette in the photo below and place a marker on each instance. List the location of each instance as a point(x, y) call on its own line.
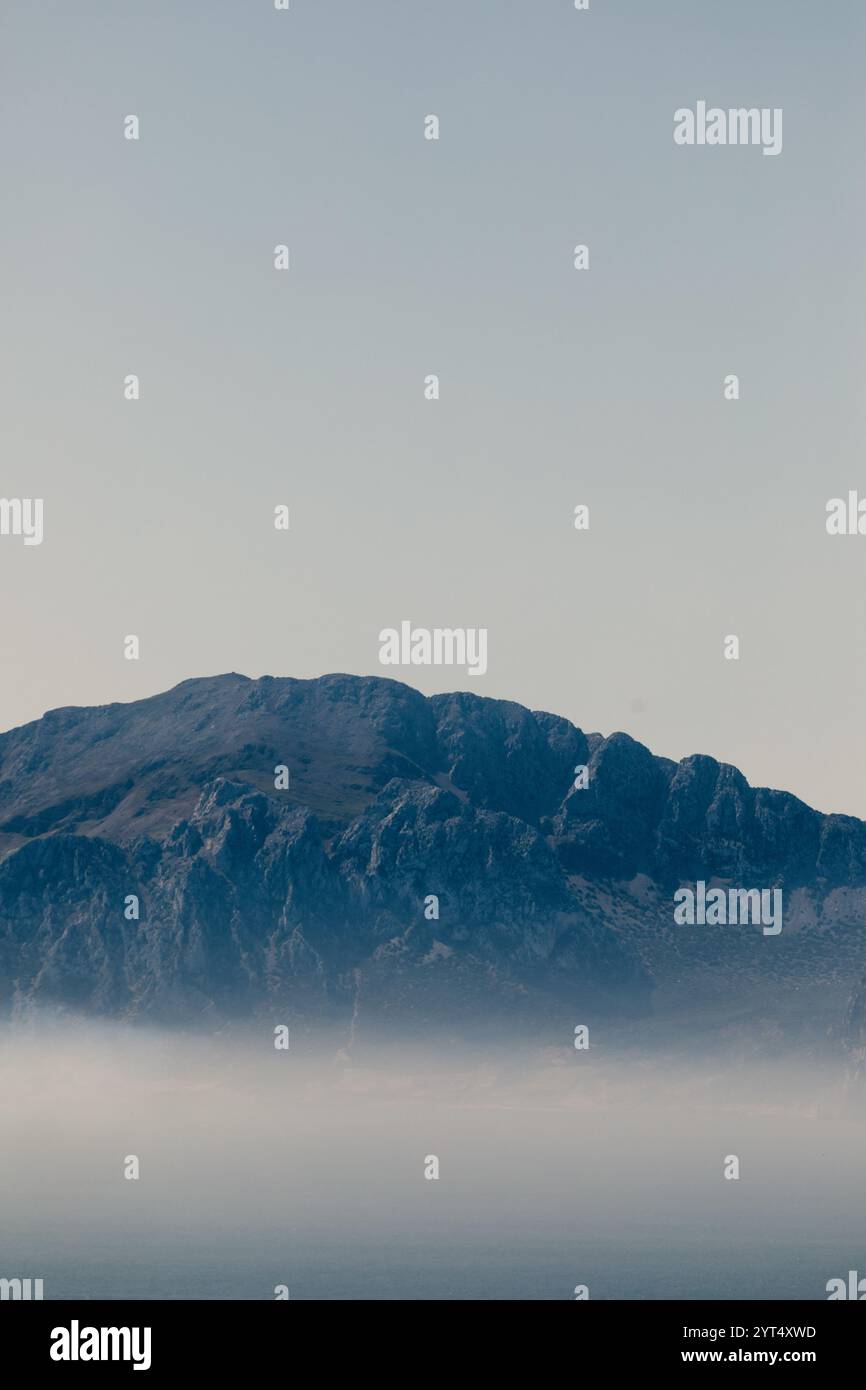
point(554, 904)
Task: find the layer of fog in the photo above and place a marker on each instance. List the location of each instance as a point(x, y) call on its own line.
point(261, 1167)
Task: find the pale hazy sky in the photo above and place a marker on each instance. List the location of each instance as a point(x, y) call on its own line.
point(411, 257)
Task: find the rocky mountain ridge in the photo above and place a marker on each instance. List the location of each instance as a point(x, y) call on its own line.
point(318, 897)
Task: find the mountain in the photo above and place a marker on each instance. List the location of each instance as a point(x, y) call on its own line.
point(315, 902)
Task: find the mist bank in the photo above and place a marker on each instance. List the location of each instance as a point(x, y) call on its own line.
point(258, 1168)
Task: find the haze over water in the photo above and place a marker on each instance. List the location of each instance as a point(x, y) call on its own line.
point(557, 1168)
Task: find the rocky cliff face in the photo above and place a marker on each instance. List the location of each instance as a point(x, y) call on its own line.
point(318, 898)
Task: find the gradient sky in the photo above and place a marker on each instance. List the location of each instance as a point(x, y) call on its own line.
point(411, 257)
